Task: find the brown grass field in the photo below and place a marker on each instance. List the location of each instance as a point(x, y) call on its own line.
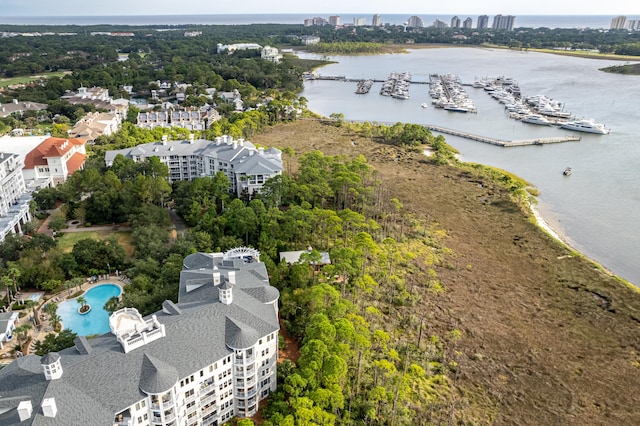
point(548, 337)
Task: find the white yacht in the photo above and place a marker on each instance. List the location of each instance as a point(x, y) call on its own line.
point(536, 119)
point(585, 125)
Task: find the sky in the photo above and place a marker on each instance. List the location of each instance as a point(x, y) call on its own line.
point(321, 8)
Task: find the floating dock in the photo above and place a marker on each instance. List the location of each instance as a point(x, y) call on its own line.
point(364, 86)
point(501, 142)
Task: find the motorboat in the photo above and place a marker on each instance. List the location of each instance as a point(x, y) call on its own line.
point(424, 105)
point(585, 125)
point(567, 171)
point(536, 119)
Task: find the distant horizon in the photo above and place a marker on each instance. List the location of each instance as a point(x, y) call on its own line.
point(310, 14)
point(201, 19)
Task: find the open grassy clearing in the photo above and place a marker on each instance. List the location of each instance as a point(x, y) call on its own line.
point(68, 240)
point(4, 82)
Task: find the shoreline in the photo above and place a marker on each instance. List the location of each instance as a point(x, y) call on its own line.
point(562, 239)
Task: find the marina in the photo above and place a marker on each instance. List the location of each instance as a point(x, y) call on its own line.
point(590, 208)
point(396, 85)
point(364, 86)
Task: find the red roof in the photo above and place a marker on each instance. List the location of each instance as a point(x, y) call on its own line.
point(51, 147)
point(75, 162)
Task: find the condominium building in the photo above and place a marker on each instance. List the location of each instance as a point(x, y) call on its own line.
point(14, 198)
point(375, 21)
point(439, 24)
point(619, 23)
point(415, 22)
point(246, 166)
point(483, 22)
point(503, 22)
point(334, 20)
point(359, 22)
point(455, 22)
point(198, 362)
point(468, 23)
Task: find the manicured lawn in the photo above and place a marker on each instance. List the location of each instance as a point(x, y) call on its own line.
point(67, 241)
point(4, 82)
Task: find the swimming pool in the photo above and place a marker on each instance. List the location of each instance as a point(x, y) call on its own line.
point(97, 320)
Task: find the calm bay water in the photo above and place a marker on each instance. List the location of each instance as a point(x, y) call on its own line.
point(597, 208)
point(529, 21)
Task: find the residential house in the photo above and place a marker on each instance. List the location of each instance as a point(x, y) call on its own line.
point(271, 54)
point(96, 124)
point(7, 109)
point(7, 325)
point(202, 361)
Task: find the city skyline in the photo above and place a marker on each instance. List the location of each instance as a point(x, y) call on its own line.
point(330, 7)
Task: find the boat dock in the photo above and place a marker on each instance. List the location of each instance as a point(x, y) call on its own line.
point(501, 142)
point(364, 86)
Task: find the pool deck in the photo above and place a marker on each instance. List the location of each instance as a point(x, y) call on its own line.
point(44, 327)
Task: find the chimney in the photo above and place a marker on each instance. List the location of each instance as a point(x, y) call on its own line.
point(216, 278)
point(232, 277)
point(15, 101)
point(164, 139)
point(49, 408)
point(25, 409)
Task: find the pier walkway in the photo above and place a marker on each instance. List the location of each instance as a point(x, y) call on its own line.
point(486, 139)
point(501, 142)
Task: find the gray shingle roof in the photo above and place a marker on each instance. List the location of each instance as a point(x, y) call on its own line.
point(97, 384)
point(239, 335)
point(49, 358)
point(82, 345)
point(157, 376)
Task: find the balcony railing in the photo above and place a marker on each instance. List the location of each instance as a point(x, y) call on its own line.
point(247, 394)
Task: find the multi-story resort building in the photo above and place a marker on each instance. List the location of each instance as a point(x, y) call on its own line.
point(455, 22)
point(246, 166)
point(198, 362)
point(14, 198)
point(55, 159)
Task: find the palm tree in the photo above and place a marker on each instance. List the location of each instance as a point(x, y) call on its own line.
point(111, 305)
point(68, 284)
point(83, 304)
point(22, 333)
point(77, 282)
point(52, 310)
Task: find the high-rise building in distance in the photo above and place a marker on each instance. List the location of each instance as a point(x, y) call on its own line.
point(455, 22)
point(467, 23)
point(483, 22)
point(415, 22)
point(334, 20)
point(619, 23)
point(439, 24)
point(376, 22)
point(503, 22)
point(359, 22)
